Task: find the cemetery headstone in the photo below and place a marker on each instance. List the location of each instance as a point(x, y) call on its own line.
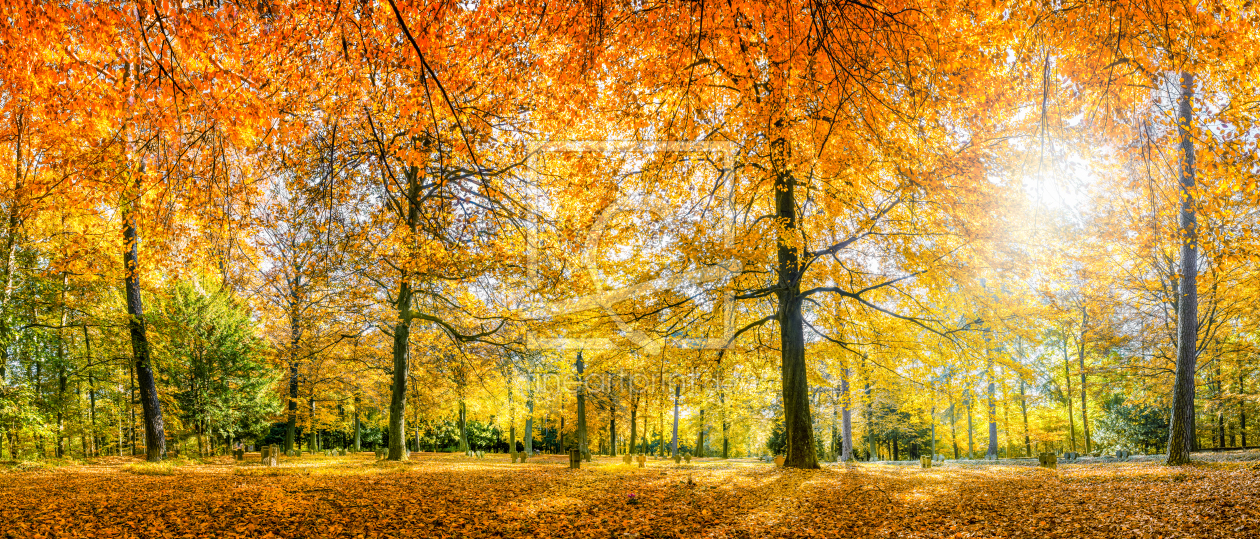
point(1048, 460)
point(642, 460)
point(522, 457)
point(575, 459)
point(677, 458)
point(514, 457)
point(925, 461)
point(778, 461)
point(687, 457)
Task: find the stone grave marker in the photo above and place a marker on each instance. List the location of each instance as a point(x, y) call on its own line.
point(626, 458)
point(642, 460)
point(1048, 460)
point(925, 461)
point(575, 459)
point(687, 457)
point(522, 454)
point(514, 457)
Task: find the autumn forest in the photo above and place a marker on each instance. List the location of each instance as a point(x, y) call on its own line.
point(641, 268)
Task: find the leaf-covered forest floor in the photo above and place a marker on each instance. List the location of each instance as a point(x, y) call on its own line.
point(457, 496)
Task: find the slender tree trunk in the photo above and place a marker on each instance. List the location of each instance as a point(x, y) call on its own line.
point(971, 430)
point(1180, 428)
point(612, 424)
point(1067, 375)
point(295, 338)
point(62, 380)
point(154, 431)
point(699, 452)
point(463, 426)
point(529, 419)
point(992, 452)
point(511, 422)
point(581, 408)
point(1084, 403)
point(674, 444)
point(634, 426)
point(953, 426)
point(646, 417)
point(358, 427)
point(1242, 408)
point(1023, 404)
point(846, 420)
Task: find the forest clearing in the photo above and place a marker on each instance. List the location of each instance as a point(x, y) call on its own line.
point(443, 495)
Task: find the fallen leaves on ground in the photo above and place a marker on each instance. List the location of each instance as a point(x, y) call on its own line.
point(456, 496)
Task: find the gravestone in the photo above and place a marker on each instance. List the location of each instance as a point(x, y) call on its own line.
point(514, 457)
point(1122, 455)
point(522, 454)
point(343, 451)
point(642, 460)
point(687, 457)
point(380, 453)
point(925, 461)
point(575, 459)
point(778, 461)
point(1048, 460)
point(240, 454)
point(270, 455)
point(626, 458)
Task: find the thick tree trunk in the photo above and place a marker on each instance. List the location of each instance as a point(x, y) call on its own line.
point(797, 423)
point(402, 331)
point(1180, 429)
point(154, 431)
